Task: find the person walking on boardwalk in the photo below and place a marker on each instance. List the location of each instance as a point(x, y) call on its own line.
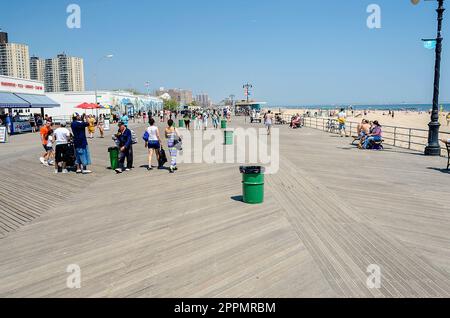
point(198, 121)
point(205, 120)
point(101, 125)
point(187, 120)
point(342, 119)
point(268, 121)
point(215, 120)
point(44, 131)
point(82, 154)
point(173, 138)
point(144, 117)
point(91, 127)
point(62, 136)
point(50, 141)
point(125, 141)
point(124, 119)
point(152, 142)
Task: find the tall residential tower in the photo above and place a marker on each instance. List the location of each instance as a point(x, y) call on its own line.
point(14, 58)
point(60, 74)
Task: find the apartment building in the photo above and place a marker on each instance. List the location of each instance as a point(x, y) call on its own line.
point(14, 59)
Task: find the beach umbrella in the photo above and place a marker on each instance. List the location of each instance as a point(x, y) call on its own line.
point(88, 106)
point(91, 106)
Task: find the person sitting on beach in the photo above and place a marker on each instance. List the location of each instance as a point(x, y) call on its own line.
point(375, 135)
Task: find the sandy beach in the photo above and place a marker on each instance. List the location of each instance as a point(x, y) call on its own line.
point(406, 119)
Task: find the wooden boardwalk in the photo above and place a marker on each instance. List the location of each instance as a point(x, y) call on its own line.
point(330, 212)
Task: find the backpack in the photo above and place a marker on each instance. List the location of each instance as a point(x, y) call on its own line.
point(162, 157)
point(145, 136)
point(133, 137)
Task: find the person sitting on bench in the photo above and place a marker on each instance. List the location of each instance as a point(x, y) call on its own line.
point(375, 135)
point(363, 130)
point(296, 122)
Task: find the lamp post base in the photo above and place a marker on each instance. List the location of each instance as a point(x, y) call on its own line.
point(434, 150)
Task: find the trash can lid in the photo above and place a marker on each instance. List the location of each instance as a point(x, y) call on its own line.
point(252, 169)
point(113, 148)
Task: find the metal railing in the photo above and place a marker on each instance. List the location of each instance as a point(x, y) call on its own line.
point(403, 137)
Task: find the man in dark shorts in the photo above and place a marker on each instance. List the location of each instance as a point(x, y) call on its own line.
point(62, 136)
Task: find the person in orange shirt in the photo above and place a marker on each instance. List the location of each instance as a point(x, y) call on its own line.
point(44, 140)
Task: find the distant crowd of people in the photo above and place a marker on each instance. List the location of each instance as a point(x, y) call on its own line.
point(64, 147)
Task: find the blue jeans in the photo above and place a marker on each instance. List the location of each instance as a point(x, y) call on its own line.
point(370, 139)
point(83, 156)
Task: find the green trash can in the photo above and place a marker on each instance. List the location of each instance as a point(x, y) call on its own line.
point(114, 157)
point(252, 184)
point(223, 124)
point(228, 134)
point(181, 123)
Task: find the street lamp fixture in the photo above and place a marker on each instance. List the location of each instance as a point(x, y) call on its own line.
point(433, 148)
point(247, 88)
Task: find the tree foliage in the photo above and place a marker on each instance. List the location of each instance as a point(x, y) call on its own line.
point(170, 105)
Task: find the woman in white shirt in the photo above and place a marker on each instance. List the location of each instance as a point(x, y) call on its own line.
point(153, 143)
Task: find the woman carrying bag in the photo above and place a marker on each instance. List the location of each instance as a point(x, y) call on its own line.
point(173, 144)
point(152, 142)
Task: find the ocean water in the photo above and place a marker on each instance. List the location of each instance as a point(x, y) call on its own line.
point(397, 107)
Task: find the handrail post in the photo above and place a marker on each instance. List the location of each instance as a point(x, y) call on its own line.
point(409, 138)
point(395, 135)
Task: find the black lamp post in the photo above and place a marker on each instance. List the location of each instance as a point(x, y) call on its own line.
point(433, 148)
point(247, 88)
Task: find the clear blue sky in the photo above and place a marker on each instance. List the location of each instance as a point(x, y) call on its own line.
point(293, 51)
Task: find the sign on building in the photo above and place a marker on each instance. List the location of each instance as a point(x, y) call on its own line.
point(3, 135)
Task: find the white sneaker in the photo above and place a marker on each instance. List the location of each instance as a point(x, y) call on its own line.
point(56, 172)
point(78, 171)
point(45, 163)
point(65, 171)
point(87, 171)
point(42, 160)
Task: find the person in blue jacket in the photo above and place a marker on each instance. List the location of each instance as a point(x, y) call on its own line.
point(125, 147)
point(83, 156)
